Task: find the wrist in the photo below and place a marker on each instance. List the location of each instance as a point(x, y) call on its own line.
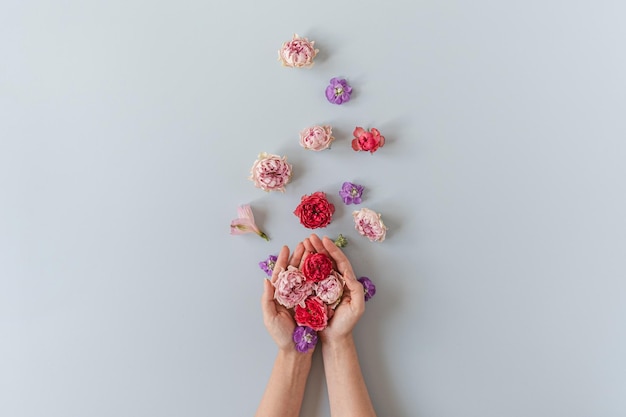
point(338, 342)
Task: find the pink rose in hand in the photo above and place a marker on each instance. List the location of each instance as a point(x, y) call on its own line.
point(369, 224)
point(330, 290)
point(298, 52)
point(270, 172)
point(292, 287)
point(316, 138)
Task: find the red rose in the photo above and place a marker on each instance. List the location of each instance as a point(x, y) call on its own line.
point(314, 314)
point(315, 210)
point(367, 140)
point(316, 267)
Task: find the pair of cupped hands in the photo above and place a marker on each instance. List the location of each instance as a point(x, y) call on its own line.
point(279, 320)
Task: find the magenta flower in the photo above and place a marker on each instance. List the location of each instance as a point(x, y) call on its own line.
point(305, 338)
point(351, 193)
point(368, 287)
point(268, 264)
point(338, 91)
point(245, 223)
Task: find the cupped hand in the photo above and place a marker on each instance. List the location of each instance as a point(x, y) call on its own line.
point(277, 319)
point(352, 305)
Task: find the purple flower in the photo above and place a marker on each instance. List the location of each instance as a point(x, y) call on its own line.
point(268, 264)
point(368, 287)
point(305, 338)
point(338, 91)
point(351, 193)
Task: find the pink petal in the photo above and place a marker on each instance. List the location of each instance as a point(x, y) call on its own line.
point(358, 131)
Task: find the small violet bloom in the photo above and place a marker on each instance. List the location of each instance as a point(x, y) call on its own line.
point(305, 338)
point(245, 223)
point(341, 241)
point(338, 91)
point(268, 264)
point(368, 287)
point(351, 193)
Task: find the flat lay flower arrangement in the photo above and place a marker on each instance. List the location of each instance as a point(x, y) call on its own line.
point(313, 291)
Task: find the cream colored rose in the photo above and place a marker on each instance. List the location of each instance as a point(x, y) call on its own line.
point(369, 224)
point(298, 52)
point(270, 172)
point(316, 138)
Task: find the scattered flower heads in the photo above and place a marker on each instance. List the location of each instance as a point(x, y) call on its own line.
point(338, 91)
point(367, 140)
point(315, 210)
point(268, 264)
point(341, 241)
point(305, 338)
point(316, 138)
point(351, 193)
point(245, 223)
point(270, 172)
point(369, 224)
point(368, 287)
point(298, 52)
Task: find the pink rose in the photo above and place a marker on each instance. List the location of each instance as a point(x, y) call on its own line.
point(316, 138)
point(330, 290)
point(298, 52)
point(369, 224)
point(292, 287)
point(365, 140)
point(270, 172)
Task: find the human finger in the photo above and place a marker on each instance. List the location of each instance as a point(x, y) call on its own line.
point(317, 244)
point(308, 246)
point(281, 263)
point(343, 264)
point(297, 255)
point(267, 301)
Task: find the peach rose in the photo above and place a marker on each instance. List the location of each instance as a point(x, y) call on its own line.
point(297, 53)
point(270, 172)
point(316, 138)
point(369, 224)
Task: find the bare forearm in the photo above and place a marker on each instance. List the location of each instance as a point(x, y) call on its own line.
point(285, 389)
point(347, 391)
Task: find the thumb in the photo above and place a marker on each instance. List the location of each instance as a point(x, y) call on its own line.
point(267, 301)
point(355, 288)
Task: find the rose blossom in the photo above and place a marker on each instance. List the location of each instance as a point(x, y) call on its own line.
point(314, 314)
point(369, 224)
point(316, 138)
point(270, 172)
point(292, 287)
point(298, 52)
point(330, 289)
point(315, 210)
point(367, 140)
point(316, 267)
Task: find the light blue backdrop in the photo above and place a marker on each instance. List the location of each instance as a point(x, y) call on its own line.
point(127, 131)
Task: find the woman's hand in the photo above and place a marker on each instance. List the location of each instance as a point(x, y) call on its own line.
point(277, 319)
point(352, 305)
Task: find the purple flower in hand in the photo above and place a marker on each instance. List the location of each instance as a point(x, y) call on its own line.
point(305, 338)
point(351, 193)
point(338, 91)
point(268, 264)
point(368, 287)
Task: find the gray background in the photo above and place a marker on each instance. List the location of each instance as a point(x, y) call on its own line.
point(128, 129)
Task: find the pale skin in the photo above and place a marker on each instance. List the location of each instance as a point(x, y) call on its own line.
point(347, 392)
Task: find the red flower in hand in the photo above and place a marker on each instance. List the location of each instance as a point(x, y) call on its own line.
point(365, 140)
point(317, 267)
point(314, 314)
point(315, 210)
